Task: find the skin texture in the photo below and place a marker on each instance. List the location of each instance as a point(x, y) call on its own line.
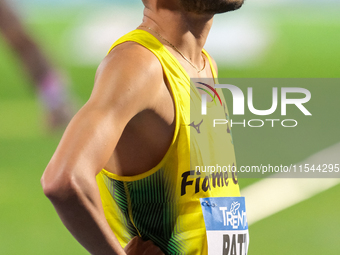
point(125, 127)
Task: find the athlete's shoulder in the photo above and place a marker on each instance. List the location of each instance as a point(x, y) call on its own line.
point(133, 61)
point(131, 75)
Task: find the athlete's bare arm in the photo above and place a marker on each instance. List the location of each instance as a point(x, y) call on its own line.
point(128, 83)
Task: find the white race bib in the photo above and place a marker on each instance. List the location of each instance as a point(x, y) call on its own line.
point(226, 225)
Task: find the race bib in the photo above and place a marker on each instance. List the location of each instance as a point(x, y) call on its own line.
point(226, 225)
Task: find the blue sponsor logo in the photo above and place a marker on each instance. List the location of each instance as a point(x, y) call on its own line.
point(224, 213)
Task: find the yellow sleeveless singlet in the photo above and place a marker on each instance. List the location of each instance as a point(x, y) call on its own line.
point(163, 204)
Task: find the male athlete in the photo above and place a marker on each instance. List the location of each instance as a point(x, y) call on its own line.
point(121, 178)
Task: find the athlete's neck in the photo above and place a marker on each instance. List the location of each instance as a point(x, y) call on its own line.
point(187, 31)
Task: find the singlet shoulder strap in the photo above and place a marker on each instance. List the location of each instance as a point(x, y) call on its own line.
point(214, 73)
point(150, 42)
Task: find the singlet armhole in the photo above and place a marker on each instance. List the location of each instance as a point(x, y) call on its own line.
point(177, 126)
point(212, 68)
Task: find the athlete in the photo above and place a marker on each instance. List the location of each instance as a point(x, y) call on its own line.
point(122, 178)
point(51, 87)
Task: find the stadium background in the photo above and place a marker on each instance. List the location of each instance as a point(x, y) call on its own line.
point(264, 39)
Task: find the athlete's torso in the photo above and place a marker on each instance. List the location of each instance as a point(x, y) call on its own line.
point(148, 135)
point(163, 203)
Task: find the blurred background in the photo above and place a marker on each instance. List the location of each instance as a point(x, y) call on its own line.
point(266, 38)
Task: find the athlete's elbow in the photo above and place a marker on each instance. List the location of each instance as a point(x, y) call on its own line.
point(57, 187)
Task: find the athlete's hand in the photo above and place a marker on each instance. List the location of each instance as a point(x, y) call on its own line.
point(137, 246)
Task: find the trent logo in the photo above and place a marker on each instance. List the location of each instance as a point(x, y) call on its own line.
point(234, 218)
point(234, 207)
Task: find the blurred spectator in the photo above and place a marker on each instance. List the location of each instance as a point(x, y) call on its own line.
point(49, 85)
